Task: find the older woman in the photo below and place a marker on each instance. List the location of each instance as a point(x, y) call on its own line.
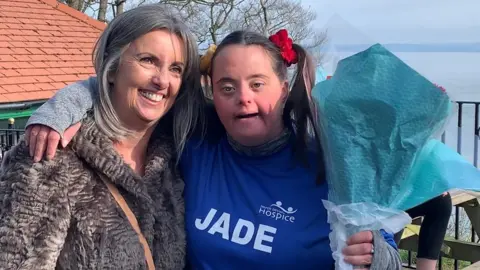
point(112, 199)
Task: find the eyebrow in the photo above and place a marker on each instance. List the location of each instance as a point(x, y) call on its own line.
point(258, 75)
point(230, 80)
point(225, 80)
point(178, 64)
point(143, 54)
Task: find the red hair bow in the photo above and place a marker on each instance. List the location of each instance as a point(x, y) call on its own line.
point(285, 44)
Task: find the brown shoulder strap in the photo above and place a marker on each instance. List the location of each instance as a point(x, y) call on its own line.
point(132, 219)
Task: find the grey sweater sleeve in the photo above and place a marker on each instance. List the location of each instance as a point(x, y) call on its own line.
point(67, 107)
point(385, 257)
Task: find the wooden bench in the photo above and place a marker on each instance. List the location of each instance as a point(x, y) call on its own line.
point(452, 248)
point(475, 266)
point(459, 196)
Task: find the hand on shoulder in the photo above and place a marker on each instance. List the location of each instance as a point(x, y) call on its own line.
point(43, 141)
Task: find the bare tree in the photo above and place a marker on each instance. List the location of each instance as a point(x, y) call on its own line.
point(102, 10)
point(118, 7)
point(211, 20)
point(269, 16)
point(208, 19)
point(98, 9)
point(80, 5)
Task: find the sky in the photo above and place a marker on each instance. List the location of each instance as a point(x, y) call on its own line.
point(393, 21)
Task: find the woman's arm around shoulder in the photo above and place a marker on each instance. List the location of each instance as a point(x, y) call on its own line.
point(67, 107)
point(34, 210)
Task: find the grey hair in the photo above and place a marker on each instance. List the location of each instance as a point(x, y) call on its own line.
point(187, 111)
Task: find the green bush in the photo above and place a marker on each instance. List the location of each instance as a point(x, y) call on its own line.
point(447, 264)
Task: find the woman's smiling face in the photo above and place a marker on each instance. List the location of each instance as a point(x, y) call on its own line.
point(148, 78)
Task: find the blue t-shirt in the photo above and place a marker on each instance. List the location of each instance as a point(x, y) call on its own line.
point(253, 213)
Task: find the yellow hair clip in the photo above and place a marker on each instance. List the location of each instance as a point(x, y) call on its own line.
point(206, 59)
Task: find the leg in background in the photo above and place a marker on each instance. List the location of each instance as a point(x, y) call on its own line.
point(436, 213)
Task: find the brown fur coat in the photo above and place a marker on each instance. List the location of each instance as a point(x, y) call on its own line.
point(59, 214)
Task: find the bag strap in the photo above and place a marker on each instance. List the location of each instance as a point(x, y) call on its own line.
point(132, 219)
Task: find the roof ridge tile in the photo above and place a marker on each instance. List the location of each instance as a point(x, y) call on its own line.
point(75, 13)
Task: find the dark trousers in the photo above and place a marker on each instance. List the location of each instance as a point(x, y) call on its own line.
point(436, 214)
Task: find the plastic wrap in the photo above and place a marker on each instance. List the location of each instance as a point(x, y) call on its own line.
point(348, 219)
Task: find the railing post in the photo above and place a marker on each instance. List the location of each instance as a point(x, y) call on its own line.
point(475, 148)
point(459, 150)
point(440, 260)
point(11, 126)
point(477, 135)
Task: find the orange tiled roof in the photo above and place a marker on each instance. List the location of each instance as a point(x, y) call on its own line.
point(44, 45)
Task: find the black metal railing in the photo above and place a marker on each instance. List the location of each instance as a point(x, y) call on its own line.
point(463, 108)
point(8, 138)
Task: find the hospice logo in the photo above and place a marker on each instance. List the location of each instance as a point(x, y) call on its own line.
point(278, 212)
